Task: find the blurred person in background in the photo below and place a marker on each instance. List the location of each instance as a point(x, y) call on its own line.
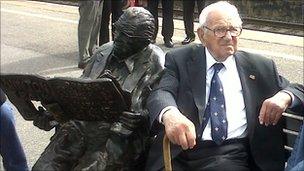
point(168, 25)
point(113, 7)
point(90, 12)
point(10, 147)
point(188, 11)
point(296, 159)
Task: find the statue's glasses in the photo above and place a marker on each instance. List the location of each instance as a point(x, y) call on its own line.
point(222, 31)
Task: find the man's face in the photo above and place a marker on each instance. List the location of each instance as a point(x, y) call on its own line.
point(125, 46)
point(219, 47)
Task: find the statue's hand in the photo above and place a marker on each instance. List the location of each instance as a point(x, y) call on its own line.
point(131, 120)
point(44, 120)
point(128, 122)
point(56, 111)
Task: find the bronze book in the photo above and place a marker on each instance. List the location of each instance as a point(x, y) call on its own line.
point(78, 98)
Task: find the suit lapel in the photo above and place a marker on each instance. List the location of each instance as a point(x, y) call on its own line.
point(100, 62)
point(197, 73)
point(141, 64)
point(248, 77)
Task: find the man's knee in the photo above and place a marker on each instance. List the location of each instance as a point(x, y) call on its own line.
point(7, 117)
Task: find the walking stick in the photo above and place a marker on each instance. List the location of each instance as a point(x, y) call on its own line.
point(167, 153)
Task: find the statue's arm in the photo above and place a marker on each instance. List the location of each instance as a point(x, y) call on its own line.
point(40, 117)
point(24, 105)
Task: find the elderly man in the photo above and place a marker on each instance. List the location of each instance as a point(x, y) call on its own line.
point(100, 145)
point(219, 107)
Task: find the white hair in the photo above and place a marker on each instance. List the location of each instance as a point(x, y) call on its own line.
point(223, 6)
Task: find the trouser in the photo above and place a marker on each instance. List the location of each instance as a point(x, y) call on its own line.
point(109, 6)
point(90, 12)
point(92, 145)
point(10, 147)
point(188, 11)
point(207, 156)
point(167, 10)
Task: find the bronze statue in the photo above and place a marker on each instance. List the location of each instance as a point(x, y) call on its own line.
point(118, 145)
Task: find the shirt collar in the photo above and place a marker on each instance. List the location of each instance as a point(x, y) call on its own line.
point(228, 63)
point(129, 64)
point(131, 60)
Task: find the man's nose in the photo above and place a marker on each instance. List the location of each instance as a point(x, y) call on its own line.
point(228, 35)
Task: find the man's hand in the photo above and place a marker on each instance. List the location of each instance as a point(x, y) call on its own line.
point(179, 129)
point(273, 107)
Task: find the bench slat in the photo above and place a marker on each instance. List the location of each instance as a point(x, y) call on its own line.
point(289, 115)
point(288, 131)
point(288, 148)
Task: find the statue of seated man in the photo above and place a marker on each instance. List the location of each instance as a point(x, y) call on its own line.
point(99, 145)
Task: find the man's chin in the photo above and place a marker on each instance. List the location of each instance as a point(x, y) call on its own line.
point(230, 51)
point(227, 54)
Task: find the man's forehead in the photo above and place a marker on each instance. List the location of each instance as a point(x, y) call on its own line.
point(225, 23)
point(219, 18)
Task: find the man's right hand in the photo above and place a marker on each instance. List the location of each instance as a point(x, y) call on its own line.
point(179, 129)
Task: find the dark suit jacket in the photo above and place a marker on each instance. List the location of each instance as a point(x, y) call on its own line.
point(183, 85)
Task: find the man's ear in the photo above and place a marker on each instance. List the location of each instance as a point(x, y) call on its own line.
point(200, 34)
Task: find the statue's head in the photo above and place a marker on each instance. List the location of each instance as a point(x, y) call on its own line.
point(134, 31)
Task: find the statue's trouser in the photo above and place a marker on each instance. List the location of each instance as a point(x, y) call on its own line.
point(91, 146)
